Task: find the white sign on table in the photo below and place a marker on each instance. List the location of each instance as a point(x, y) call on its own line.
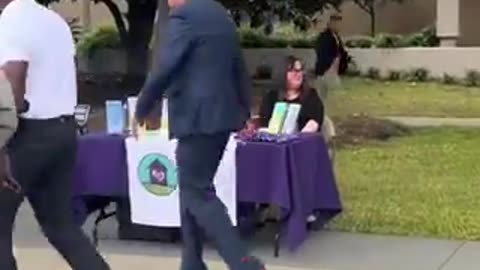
point(153, 181)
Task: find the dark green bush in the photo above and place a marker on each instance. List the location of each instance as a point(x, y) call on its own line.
point(353, 70)
point(472, 78)
point(100, 38)
point(394, 75)
point(425, 38)
point(418, 75)
point(359, 42)
point(389, 41)
point(263, 72)
point(373, 73)
point(449, 79)
point(303, 43)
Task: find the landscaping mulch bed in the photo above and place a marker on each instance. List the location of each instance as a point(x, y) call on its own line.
point(360, 129)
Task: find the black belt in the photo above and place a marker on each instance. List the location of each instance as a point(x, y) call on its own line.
point(59, 119)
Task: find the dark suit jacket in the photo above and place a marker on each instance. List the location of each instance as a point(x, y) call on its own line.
point(327, 49)
point(202, 66)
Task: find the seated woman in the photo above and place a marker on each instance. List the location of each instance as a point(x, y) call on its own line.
point(294, 88)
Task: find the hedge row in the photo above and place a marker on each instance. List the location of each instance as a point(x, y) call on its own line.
point(471, 78)
point(107, 37)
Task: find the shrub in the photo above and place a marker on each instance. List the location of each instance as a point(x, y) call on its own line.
point(281, 37)
point(425, 38)
point(302, 43)
point(373, 73)
point(389, 41)
point(251, 38)
point(353, 70)
point(263, 72)
point(472, 78)
point(105, 37)
point(418, 75)
point(394, 75)
point(359, 42)
point(449, 79)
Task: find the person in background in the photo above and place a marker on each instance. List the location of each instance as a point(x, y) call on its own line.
point(294, 88)
point(202, 66)
point(332, 61)
point(37, 55)
point(8, 125)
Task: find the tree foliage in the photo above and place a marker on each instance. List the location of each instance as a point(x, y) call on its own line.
point(298, 11)
point(135, 28)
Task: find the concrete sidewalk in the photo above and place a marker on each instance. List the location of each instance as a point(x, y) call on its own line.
point(323, 251)
point(47, 259)
point(435, 121)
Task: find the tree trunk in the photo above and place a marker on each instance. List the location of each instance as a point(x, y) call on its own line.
point(373, 23)
point(140, 17)
point(118, 18)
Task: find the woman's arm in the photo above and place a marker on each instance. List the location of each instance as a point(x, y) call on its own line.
point(314, 112)
point(266, 107)
point(311, 127)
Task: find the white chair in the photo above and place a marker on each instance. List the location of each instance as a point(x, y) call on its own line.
point(328, 132)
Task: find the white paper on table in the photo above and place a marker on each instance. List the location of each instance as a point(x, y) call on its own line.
point(131, 105)
point(290, 122)
point(164, 128)
point(158, 204)
point(115, 115)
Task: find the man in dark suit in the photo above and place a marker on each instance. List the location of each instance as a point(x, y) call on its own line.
point(201, 64)
point(332, 60)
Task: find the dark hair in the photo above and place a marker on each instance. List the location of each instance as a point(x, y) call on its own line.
point(282, 78)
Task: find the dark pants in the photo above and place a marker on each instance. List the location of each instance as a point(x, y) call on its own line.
point(42, 156)
point(202, 212)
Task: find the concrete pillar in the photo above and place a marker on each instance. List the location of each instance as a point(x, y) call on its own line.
point(448, 22)
point(86, 15)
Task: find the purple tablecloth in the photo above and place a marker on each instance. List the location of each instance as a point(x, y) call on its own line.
point(296, 176)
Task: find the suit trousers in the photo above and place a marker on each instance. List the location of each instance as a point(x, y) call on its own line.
point(202, 212)
point(42, 154)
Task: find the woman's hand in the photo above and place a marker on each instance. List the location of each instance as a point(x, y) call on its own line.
point(311, 127)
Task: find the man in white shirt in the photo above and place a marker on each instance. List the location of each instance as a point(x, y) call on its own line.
point(37, 54)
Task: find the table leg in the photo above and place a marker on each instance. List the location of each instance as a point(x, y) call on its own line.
point(276, 244)
point(102, 215)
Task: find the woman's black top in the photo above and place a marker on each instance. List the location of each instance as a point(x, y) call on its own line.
point(312, 108)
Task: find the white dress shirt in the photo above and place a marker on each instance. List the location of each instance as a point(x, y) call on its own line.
point(35, 34)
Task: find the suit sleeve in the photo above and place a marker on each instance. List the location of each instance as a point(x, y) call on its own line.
point(313, 108)
point(242, 83)
point(179, 39)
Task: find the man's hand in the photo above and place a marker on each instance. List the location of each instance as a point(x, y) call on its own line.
point(6, 178)
point(136, 123)
point(10, 183)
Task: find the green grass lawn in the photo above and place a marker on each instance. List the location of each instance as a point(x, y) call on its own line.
point(405, 99)
point(426, 184)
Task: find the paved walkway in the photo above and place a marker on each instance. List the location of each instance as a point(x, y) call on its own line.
point(322, 251)
point(436, 121)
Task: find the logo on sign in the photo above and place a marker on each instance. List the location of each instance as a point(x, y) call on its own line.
point(158, 174)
